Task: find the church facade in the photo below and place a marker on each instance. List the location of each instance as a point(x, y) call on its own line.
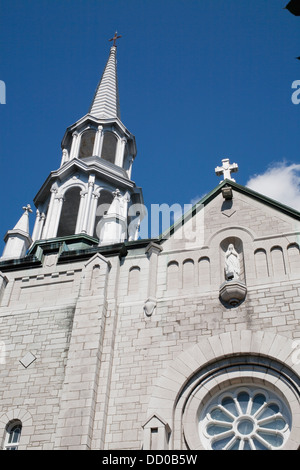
point(189, 341)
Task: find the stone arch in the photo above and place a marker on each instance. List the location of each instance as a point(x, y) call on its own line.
point(238, 246)
point(217, 242)
point(213, 356)
point(19, 415)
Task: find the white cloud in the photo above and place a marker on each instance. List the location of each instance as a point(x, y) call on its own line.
point(280, 182)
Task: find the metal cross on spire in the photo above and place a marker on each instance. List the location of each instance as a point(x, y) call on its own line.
point(226, 169)
point(115, 38)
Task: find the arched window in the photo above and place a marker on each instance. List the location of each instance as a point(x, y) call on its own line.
point(69, 213)
point(13, 435)
point(104, 203)
point(109, 147)
point(87, 143)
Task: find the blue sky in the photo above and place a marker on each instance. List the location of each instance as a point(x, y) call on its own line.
point(199, 80)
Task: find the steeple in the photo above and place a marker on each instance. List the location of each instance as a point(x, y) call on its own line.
point(105, 104)
point(92, 192)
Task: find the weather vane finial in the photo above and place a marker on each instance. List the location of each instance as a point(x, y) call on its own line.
point(115, 38)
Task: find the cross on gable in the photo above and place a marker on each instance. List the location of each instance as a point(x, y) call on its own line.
point(226, 169)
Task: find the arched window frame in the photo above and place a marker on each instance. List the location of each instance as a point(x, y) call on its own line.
point(107, 134)
point(13, 435)
point(89, 130)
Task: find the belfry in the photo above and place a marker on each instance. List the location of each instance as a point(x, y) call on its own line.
point(108, 341)
point(91, 193)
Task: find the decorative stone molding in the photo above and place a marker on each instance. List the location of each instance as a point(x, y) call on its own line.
point(233, 292)
point(17, 414)
point(177, 382)
point(149, 306)
point(156, 433)
point(3, 284)
point(152, 251)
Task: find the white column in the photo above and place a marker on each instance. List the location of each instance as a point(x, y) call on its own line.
point(80, 212)
point(120, 152)
point(49, 213)
point(88, 203)
point(94, 204)
point(65, 157)
point(129, 171)
point(36, 228)
point(57, 207)
point(75, 145)
point(98, 142)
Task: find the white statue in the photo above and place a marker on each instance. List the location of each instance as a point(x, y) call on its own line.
point(232, 263)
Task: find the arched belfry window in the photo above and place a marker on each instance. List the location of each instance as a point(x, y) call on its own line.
point(109, 147)
point(13, 435)
point(87, 143)
point(69, 213)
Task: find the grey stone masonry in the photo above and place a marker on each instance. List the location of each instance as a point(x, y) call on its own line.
point(122, 347)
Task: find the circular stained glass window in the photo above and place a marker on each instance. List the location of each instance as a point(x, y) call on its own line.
point(246, 418)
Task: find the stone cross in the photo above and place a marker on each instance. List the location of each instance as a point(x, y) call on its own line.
point(226, 169)
point(27, 208)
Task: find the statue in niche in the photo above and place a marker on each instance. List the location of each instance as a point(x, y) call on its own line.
point(232, 263)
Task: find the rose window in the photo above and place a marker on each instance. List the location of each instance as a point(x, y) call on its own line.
point(245, 419)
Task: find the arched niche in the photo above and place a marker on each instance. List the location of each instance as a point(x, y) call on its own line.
point(188, 274)
point(87, 143)
point(104, 203)
point(69, 213)
point(133, 280)
point(278, 261)
point(261, 263)
point(109, 147)
point(204, 272)
point(238, 247)
point(172, 275)
point(294, 258)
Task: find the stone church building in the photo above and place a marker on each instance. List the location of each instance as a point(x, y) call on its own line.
point(188, 341)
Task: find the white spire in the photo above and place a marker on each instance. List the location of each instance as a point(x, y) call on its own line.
point(105, 104)
point(23, 223)
point(18, 240)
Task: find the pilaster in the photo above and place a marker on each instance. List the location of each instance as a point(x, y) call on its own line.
point(78, 400)
point(152, 251)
